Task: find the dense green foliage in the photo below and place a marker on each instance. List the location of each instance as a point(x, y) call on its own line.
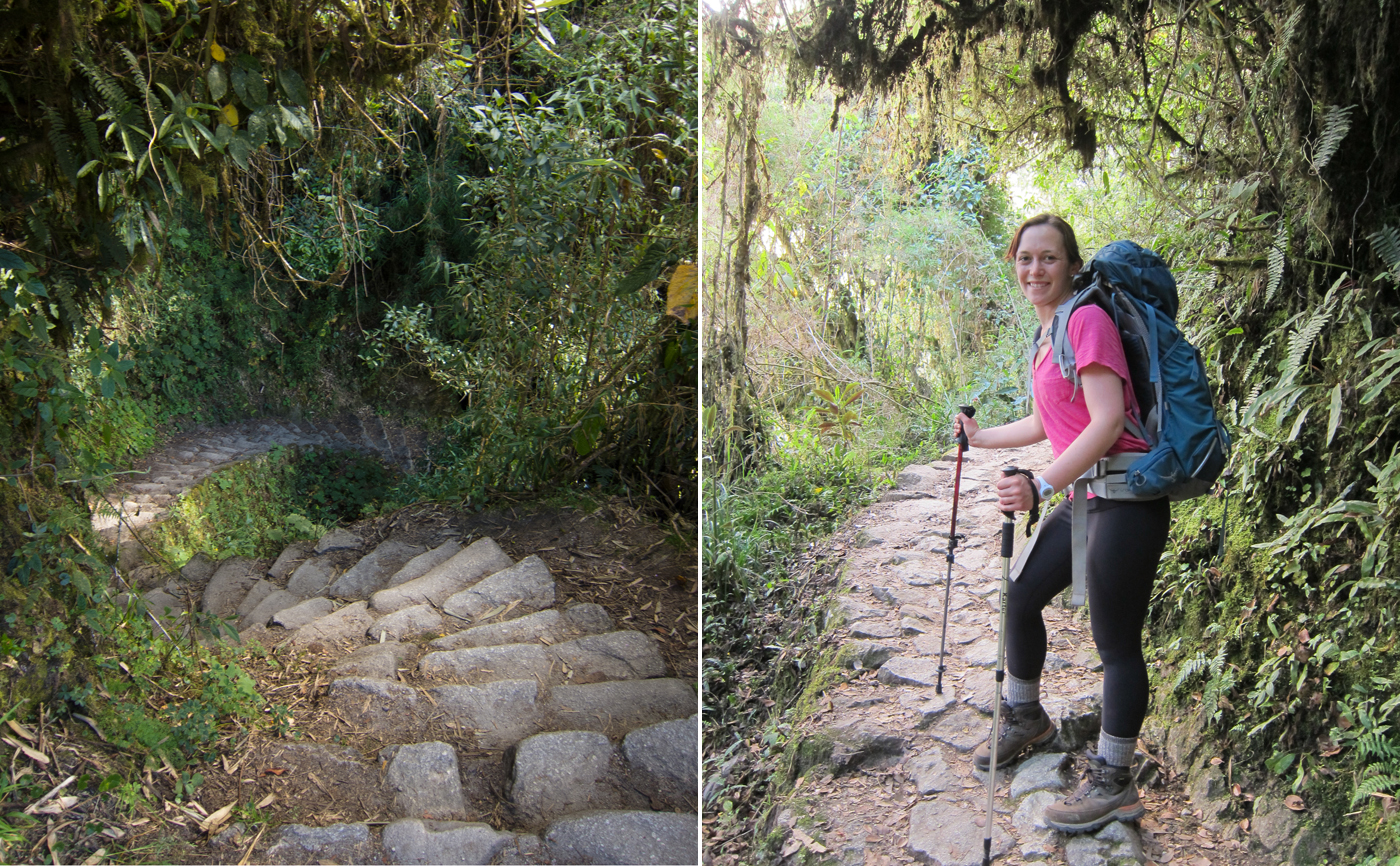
point(1231, 139)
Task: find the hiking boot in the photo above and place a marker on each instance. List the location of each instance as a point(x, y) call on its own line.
point(1023, 726)
point(1107, 794)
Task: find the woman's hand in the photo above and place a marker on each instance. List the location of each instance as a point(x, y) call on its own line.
point(1014, 493)
point(969, 427)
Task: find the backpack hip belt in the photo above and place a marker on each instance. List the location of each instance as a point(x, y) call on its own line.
point(1106, 478)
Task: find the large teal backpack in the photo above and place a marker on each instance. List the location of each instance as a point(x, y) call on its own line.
point(1189, 445)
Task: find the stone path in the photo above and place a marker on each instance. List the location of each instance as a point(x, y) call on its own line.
point(513, 730)
point(884, 771)
point(189, 458)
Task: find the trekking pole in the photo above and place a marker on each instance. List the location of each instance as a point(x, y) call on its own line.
point(1008, 542)
point(952, 543)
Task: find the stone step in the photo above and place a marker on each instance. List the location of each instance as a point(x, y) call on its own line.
point(461, 571)
point(501, 713)
point(619, 655)
point(560, 773)
point(375, 569)
point(550, 626)
point(524, 588)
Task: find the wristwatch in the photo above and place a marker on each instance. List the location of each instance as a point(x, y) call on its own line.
point(1046, 491)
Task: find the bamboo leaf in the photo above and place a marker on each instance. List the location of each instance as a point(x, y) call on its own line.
point(1334, 417)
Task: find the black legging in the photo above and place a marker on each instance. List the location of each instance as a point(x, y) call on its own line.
point(1125, 542)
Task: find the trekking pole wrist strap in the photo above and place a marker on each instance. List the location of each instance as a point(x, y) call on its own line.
point(1034, 515)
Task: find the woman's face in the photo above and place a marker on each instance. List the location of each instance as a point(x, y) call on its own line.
point(1042, 269)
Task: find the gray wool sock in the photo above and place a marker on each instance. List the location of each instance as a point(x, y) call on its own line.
point(1117, 751)
point(1022, 691)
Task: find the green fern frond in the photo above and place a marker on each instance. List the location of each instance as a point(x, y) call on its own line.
point(1190, 668)
point(1380, 783)
point(38, 231)
point(113, 94)
point(1276, 260)
point(1301, 340)
point(88, 125)
point(61, 143)
point(1374, 744)
point(1336, 123)
point(1386, 243)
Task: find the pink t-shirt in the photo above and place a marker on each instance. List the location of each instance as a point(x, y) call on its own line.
point(1063, 412)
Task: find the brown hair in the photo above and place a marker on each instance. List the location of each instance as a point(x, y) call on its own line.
point(1056, 223)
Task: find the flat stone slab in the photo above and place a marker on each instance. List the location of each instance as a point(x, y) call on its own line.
point(663, 758)
point(269, 606)
point(866, 655)
point(1037, 840)
point(408, 622)
point(478, 665)
point(1115, 845)
point(378, 661)
point(945, 832)
point(256, 593)
point(290, 557)
point(382, 706)
point(932, 774)
point(616, 708)
point(905, 671)
point(982, 654)
point(227, 587)
point(523, 588)
point(625, 837)
point(304, 613)
point(617, 655)
point(875, 629)
point(424, 563)
point(1042, 772)
point(425, 781)
point(564, 772)
point(311, 577)
point(340, 843)
point(348, 623)
point(338, 539)
point(374, 569)
point(463, 570)
point(501, 713)
point(963, 729)
point(928, 703)
point(547, 626)
point(416, 843)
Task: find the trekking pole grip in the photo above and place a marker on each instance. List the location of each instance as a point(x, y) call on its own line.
point(1008, 522)
point(969, 411)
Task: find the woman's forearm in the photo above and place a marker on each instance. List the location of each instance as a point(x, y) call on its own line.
point(1027, 431)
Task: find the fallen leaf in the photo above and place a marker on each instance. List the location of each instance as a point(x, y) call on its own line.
point(267, 801)
point(1244, 824)
point(57, 806)
point(1294, 802)
point(273, 771)
point(808, 841)
point(790, 847)
point(96, 858)
point(34, 755)
point(212, 824)
point(1234, 789)
point(1214, 762)
point(22, 731)
point(1207, 844)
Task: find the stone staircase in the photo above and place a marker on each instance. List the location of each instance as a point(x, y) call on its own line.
point(188, 458)
point(507, 728)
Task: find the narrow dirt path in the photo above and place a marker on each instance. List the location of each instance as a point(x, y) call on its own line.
point(884, 772)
